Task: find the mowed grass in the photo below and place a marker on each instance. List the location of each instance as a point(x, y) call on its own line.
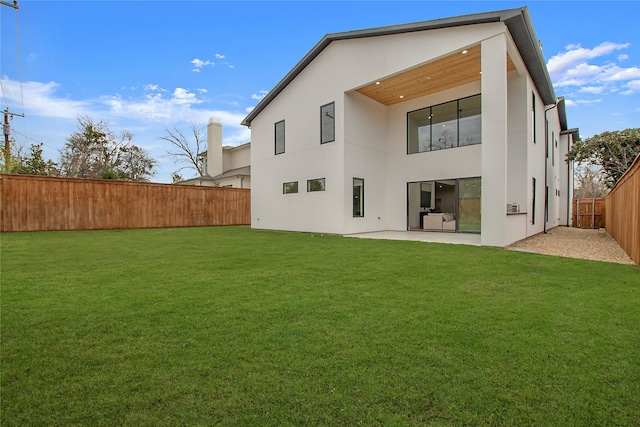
point(233, 326)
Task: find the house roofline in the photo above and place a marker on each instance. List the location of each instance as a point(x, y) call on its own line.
point(518, 21)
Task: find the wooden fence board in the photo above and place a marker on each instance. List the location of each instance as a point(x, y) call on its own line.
point(33, 203)
point(588, 213)
point(622, 205)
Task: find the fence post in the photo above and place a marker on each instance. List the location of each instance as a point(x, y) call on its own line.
point(593, 213)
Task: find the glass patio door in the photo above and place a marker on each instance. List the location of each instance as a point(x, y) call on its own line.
point(469, 205)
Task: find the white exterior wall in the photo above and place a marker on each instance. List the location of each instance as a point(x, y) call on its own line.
point(371, 139)
point(236, 157)
point(494, 141)
point(535, 163)
point(339, 69)
point(566, 180)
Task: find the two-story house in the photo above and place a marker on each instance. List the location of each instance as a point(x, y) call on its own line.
point(449, 125)
point(225, 166)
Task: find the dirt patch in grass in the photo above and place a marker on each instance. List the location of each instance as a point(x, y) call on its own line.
point(594, 245)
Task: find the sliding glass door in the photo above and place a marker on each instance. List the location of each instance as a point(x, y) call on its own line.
point(444, 205)
point(469, 209)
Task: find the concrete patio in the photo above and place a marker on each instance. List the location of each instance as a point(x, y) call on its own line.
point(422, 236)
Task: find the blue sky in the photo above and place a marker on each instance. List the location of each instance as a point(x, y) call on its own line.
point(146, 65)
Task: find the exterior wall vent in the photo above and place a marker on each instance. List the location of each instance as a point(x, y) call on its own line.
point(513, 207)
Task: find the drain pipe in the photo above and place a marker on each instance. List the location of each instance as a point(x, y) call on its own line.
point(546, 167)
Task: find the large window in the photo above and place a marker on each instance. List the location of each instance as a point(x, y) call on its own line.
point(358, 197)
point(328, 123)
point(279, 132)
point(452, 124)
point(445, 205)
point(290, 187)
point(315, 184)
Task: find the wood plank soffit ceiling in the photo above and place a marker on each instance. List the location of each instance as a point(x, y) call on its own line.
point(450, 71)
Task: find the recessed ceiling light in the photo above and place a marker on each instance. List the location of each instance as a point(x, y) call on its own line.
point(464, 51)
point(428, 77)
point(401, 96)
point(377, 83)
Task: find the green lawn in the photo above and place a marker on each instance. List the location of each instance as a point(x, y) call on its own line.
point(232, 326)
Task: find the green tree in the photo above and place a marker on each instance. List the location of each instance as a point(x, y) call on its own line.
point(33, 164)
point(613, 151)
point(95, 152)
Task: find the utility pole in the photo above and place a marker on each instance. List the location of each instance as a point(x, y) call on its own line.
point(6, 129)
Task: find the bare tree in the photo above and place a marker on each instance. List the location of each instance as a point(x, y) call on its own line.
point(590, 182)
point(187, 153)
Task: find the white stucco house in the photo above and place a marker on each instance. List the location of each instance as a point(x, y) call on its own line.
point(449, 125)
point(225, 166)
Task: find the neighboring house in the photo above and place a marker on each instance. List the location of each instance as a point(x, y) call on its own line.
point(226, 166)
point(447, 125)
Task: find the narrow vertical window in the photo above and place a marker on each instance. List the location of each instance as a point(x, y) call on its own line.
point(533, 117)
point(553, 150)
point(358, 197)
point(533, 203)
point(279, 131)
point(328, 123)
point(546, 138)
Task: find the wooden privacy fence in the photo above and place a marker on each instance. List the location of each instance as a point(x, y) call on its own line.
point(588, 213)
point(622, 206)
point(33, 203)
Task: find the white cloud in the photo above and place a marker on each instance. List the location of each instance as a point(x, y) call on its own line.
point(588, 101)
point(184, 97)
point(592, 89)
point(631, 88)
point(576, 54)
point(41, 99)
point(569, 103)
point(261, 94)
point(199, 63)
point(594, 71)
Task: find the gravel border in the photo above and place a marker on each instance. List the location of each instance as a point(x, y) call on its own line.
point(594, 245)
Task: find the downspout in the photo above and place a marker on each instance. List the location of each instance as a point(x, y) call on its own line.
point(569, 183)
point(546, 167)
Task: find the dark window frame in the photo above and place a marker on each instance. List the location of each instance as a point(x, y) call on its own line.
point(319, 180)
point(360, 212)
point(533, 203)
point(285, 187)
point(276, 137)
point(324, 113)
point(533, 116)
point(429, 109)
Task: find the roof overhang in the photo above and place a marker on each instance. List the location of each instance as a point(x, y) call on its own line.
point(517, 21)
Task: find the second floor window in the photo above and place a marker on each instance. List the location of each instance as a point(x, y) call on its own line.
point(449, 125)
point(279, 132)
point(328, 123)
